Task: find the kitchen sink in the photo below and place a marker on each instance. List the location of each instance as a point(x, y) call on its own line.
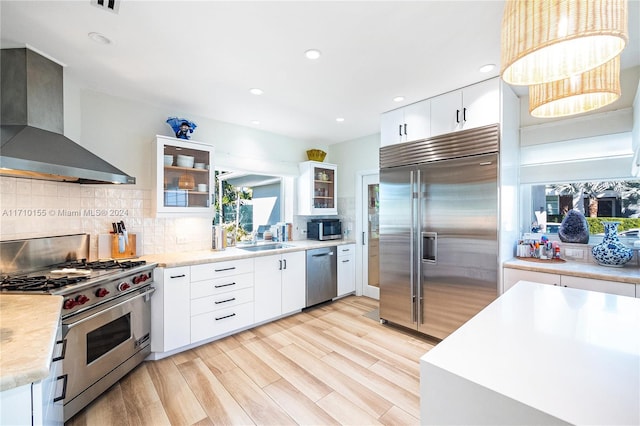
point(262, 247)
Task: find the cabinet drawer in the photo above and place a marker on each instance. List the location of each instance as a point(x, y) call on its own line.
point(346, 250)
point(205, 326)
point(221, 301)
point(602, 286)
point(512, 276)
point(221, 285)
point(221, 269)
point(176, 275)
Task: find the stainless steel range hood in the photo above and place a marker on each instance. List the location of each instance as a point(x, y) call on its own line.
point(32, 125)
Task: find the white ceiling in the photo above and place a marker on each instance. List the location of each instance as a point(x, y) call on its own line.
point(202, 57)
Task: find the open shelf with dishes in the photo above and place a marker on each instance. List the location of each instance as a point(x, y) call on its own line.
point(184, 175)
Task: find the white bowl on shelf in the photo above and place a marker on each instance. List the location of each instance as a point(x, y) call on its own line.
point(168, 160)
point(198, 166)
point(185, 161)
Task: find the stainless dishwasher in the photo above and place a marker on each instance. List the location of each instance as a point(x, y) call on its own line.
point(322, 282)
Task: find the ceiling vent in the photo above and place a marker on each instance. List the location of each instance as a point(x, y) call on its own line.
point(110, 5)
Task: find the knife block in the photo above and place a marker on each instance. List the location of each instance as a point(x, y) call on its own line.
point(129, 247)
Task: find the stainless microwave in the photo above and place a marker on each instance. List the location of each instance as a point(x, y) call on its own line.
point(324, 229)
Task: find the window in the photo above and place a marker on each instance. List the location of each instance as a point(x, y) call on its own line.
point(597, 200)
point(247, 203)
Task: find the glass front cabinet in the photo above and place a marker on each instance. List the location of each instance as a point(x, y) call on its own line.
point(317, 191)
point(184, 176)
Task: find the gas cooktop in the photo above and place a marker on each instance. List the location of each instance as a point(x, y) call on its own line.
point(60, 276)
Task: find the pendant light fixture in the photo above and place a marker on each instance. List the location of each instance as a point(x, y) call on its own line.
point(574, 95)
point(549, 40)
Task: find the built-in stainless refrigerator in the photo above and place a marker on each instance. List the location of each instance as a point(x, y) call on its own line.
point(439, 230)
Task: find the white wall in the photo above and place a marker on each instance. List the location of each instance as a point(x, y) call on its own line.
point(352, 157)
point(122, 132)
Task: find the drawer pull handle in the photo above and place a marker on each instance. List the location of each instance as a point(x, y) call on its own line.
point(64, 350)
point(226, 316)
point(64, 388)
point(223, 285)
point(225, 301)
point(178, 276)
point(225, 269)
point(345, 261)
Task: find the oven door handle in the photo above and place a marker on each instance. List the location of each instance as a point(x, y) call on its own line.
point(90, 317)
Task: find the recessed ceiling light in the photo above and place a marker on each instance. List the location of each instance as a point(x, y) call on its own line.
point(255, 122)
point(398, 99)
point(312, 54)
point(339, 119)
point(256, 91)
point(99, 38)
point(487, 68)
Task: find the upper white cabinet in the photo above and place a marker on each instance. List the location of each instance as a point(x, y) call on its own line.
point(184, 175)
point(472, 106)
point(406, 124)
point(317, 189)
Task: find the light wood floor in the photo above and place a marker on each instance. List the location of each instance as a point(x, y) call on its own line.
point(328, 365)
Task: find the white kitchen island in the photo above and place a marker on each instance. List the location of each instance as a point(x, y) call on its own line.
point(538, 354)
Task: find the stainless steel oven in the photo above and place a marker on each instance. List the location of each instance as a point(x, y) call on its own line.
point(103, 344)
point(106, 312)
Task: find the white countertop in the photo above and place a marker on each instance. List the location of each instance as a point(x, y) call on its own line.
point(28, 326)
point(572, 354)
point(187, 258)
point(630, 273)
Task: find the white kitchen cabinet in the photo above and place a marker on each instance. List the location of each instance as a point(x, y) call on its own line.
point(38, 403)
point(346, 269)
point(512, 276)
point(183, 187)
point(268, 288)
point(317, 189)
point(229, 268)
point(602, 286)
point(222, 295)
point(294, 275)
point(280, 285)
point(170, 310)
point(406, 124)
point(472, 106)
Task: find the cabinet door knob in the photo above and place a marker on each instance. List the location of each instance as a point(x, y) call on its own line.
point(400, 130)
point(464, 114)
point(405, 129)
point(458, 116)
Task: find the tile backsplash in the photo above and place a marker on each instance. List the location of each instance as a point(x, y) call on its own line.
point(35, 208)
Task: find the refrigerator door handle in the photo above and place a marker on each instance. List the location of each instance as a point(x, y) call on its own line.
point(412, 281)
point(429, 247)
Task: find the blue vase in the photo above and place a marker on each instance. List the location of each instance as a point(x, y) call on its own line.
point(611, 252)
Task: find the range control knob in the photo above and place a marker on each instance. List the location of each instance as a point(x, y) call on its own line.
point(137, 280)
point(81, 299)
point(102, 292)
point(69, 303)
point(123, 286)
